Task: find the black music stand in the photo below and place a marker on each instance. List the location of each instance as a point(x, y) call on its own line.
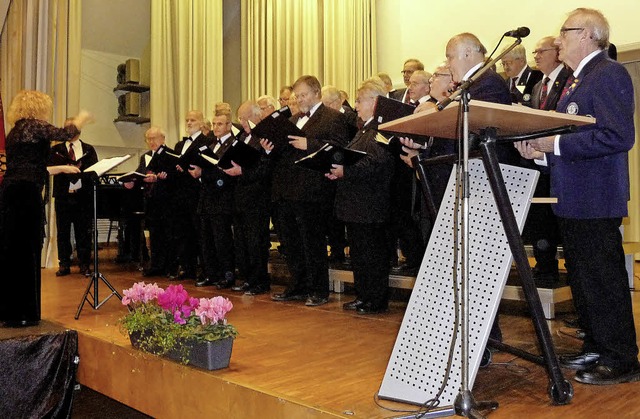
point(98, 170)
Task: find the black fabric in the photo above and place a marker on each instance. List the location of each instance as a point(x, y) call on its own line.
point(38, 375)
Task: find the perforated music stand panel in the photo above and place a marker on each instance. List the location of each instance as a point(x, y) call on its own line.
point(418, 363)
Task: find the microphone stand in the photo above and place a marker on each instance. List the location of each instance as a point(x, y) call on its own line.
point(465, 404)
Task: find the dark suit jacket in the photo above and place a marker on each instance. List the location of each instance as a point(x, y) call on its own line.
point(528, 80)
point(188, 188)
point(218, 188)
point(253, 187)
point(363, 194)
point(490, 87)
point(397, 94)
point(158, 195)
point(553, 95)
point(590, 178)
point(294, 183)
point(61, 181)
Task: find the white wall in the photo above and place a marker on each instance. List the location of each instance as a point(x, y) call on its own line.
point(97, 80)
point(421, 29)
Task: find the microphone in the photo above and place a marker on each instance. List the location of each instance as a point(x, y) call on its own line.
point(521, 32)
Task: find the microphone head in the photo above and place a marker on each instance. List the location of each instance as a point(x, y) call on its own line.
point(521, 32)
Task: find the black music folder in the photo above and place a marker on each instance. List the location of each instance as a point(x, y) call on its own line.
point(392, 143)
point(328, 155)
point(387, 109)
point(241, 153)
point(192, 157)
point(277, 128)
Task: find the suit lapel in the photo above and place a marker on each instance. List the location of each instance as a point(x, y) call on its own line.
point(578, 81)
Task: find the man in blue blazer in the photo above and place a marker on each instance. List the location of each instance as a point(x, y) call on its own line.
point(589, 176)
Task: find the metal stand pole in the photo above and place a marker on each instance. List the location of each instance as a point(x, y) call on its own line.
point(94, 301)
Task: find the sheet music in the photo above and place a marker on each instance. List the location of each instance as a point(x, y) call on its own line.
point(104, 165)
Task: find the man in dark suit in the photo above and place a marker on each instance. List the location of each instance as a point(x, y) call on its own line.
point(251, 215)
point(520, 77)
point(215, 209)
point(590, 176)
point(362, 202)
point(304, 197)
point(410, 65)
point(158, 195)
point(187, 195)
point(541, 227)
point(73, 203)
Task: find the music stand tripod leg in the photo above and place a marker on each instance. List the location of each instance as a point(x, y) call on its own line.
point(96, 275)
point(560, 389)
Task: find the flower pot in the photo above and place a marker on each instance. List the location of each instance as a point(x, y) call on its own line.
point(208, 355)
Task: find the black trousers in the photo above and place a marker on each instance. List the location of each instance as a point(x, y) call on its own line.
point(302, 232)
point(594, 260)
point(369, 261)
point(75, 209)
point(186, 230)
point(218, 253)
point(251, 231)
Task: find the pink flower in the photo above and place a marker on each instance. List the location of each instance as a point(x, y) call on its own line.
point(213, 310)
point(141, 293)
point(176, 300)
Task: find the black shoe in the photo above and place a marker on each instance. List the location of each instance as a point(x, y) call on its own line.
point(152, 272)
point(579, 361)
point(605, 375)
point(257, 290)
point(85, 270)
point(225, 283)
point(352, 305)
point(371, 308)
point(314, 301)
point(290, 295)
point(205, 282)
point(63, 271)
point(573, 323)
point(244, 287)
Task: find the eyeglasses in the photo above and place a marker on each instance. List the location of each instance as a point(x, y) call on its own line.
point(407, 71)
point(563, 31)
point(506, 63)
point(541, 50)
point(442, 75)
point(282, 99)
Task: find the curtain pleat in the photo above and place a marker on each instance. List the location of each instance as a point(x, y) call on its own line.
point(186, 61)
point(284, 39)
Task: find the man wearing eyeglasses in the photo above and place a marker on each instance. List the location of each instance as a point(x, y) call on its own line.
point(590, 176)
point(285, 94)
point(520, 77)
point(411, 65)
point(541, 227)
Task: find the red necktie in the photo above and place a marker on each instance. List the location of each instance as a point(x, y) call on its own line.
point(567, 85)
point(545, 92)
point(72, 154)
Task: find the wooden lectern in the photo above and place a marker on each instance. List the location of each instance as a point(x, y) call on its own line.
point(420, 357)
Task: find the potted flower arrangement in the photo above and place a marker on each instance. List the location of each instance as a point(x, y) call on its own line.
point(170, 323)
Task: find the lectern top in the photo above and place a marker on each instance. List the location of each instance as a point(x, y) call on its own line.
point(507, 119)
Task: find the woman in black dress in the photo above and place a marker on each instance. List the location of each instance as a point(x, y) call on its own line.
point(21, 205)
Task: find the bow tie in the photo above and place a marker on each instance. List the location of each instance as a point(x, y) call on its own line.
point(187, 138)
point(307, 114)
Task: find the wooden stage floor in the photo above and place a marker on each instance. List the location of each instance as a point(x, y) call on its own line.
point(292, 361)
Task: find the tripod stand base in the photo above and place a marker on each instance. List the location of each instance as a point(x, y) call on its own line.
point(93, 299)
point(465, 405)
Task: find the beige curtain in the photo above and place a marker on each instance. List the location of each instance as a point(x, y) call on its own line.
point(349, 43)
point(186, 61)
point(632, 230)
point(284, 39)
point(40, 49)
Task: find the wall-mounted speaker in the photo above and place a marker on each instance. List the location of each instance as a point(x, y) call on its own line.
point(132, 72)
